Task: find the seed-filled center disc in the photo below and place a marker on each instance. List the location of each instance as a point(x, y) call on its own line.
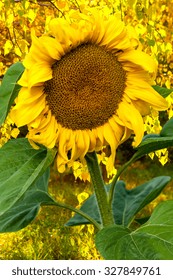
point(87, 85)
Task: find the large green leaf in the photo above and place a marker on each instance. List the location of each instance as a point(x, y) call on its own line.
point(152, 241)
point(126, 203)
point(167, 129)
point(154, 142)
point(163, 91)
point(150, 144)
point(9, 89)
point(26, 207)
point(20, 166)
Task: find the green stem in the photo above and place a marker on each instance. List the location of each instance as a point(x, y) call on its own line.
point(71, 208)
point(119, 172)
point(99, 188)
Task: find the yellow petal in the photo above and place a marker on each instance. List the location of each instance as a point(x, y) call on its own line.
point(39, 73)
point(140, 59)
point(98, 30)
point(52, 47)
point(51, 133)
point(46, 135)
point(27, 95)
point(23, 81)
point(86, 144)
point(132, 119)
point(111, 140)
point(42, 120)
point(145, 93)
point(126, 135)
point(60, 164)
point(81, 145)
point(70, 140)
point(62, 147)
point(67, 36)
point(142, 107)
point(33, 144)
point(38, 53)
point(115, 35)
point(117, 129)
point(22, 115)
point(92, 137)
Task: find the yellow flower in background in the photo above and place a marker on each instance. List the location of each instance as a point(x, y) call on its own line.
point(80, 171)
point(85, 85)
point(8, 131)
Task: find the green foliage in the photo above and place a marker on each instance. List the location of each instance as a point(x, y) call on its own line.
point(167, 129)
point(126, 203)
point(46, 238)
point(152, 241)
point(164, 92)
point(24, 172)
point(19, 204)
point(151, 43)
point(9, 89)
point(142, 243)
point(89, 207)
point(20, 166)
point(26, 207)
point(153, 142)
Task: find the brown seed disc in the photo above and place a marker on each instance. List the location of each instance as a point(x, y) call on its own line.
point(86, 88)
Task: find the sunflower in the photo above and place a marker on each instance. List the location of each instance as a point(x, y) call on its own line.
point(85, 85)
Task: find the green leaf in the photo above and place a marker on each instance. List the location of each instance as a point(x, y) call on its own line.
point(164, 92)
point(89, 207)
point(142, 221)
point(126, 203)
point(154, 142)
point(9, 89)
point(151, 144)
point(152, 241)
point(26, 207)
point(151, 135)
point(167, 129)
point(23, 184)
point(151, 42)
point(20, 166)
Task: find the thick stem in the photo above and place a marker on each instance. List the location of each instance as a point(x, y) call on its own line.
point(105, 208)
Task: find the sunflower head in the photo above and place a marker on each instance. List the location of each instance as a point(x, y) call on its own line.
point(88, 89)
point(85, 85)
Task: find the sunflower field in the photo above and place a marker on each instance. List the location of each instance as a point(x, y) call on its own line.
point(86, 129)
